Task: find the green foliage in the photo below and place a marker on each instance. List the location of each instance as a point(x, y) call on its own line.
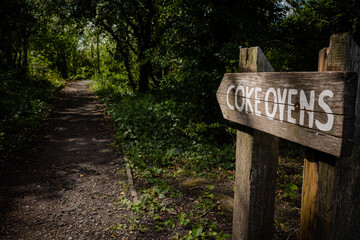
point(161, 132)
point(24, 104)
point(170, 223)
point(157, 208)
point(183, 220)
point(17, 22)
point(137, 28)
point(37, 44)
point(291, 191)
point(290, 172)
point(118, 227)
point(305, 29)
point(208, 194)
point(198, 232)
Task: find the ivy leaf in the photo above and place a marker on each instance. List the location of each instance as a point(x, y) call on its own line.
point(197, 230)
point(210, 187)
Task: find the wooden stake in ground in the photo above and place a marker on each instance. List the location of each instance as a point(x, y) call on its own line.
point(346, 202)
point(256, 164)
point(318, 182)
point(323, 217)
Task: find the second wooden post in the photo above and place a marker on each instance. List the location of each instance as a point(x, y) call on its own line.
point(327, 177)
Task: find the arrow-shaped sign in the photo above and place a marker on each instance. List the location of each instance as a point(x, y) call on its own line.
point(315, 109)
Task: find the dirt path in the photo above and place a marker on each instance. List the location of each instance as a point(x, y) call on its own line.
point(64, 185)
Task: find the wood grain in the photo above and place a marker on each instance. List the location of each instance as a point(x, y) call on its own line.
point(340, 83)
point(309, 200)
point(333, 210)
point(256, 164)
point(318, 183)
point(342, 105)
point(346, 199)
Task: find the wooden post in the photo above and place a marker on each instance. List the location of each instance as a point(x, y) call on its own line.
point(318, 182)
point(317, 216)
point(346, 202)
point(256, 164)
point(317, 190)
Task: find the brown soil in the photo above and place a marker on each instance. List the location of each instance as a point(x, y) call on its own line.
point(63, 184)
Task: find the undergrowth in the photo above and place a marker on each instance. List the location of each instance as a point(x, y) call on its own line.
point(167, 141)
point(24, 104)
point(161, 210)
point(161, 132)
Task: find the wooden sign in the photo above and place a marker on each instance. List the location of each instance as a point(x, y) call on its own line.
point(315, 109)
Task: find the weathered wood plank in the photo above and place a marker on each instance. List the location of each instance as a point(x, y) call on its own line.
point(309, 117)
point(305, 136)
point(256, 163)
point(293, 105)
point(339, 83)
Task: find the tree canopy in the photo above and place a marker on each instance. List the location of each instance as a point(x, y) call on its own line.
point(171, 49)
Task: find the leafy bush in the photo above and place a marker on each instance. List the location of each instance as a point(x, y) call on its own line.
point(23, 104)
point(156, 131)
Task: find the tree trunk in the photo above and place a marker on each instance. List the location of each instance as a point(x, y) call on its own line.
point(19, 60)
point(24, 65)
point(61, 63)
point(125, 55)
point(144, 62)
point(98, 54)
point(128, 69)
point(144, 77)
